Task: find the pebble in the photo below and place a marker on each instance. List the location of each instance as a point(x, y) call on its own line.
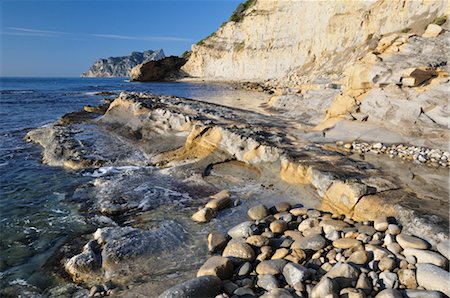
point(243, 292)
point(333, 235)
point(386, 264)
point(333, 225)
point(272, 267)
point(242, 230)
point(389, 293)
point(282, 207)
point(216, 241)
point(344, 274)
point(389, 280)
point(444, 248)
point(307, 224)
point(364, 284)
point(394, 229)
point(427, 256)
point(407, 241)
point(258, 212)
point(267, 282)
point(203, 215)
point(345, 243)
point(326, 287)
point(239, 250)
point(381, 224)
point(434, 278)
point(313, 242)
point(277, 293)
point(422, 294)
point(295, 275)
point(219, 202)
point(245, 269)
point(359, 258)
point(258, 240)
point(368, 230)
point(280, 253)
point(407, 278)
point(217, 266)
point(278, 226)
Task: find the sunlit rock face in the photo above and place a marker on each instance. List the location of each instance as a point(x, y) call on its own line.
point(121, 66)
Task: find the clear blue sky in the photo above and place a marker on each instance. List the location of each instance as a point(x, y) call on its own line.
point(63, 38)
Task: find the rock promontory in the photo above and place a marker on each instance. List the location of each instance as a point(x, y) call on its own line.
point(159, 70)
point(121, 66)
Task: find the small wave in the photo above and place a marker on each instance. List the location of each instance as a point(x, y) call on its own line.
point(16, 91)
point(103, 171)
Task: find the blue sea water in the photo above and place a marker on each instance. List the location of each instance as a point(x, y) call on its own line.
point(35, 217)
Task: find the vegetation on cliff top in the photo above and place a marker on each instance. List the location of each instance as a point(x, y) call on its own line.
point(239, 11)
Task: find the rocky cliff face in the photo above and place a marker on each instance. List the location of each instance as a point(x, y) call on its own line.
point(272, 38)
point(121, 66)
point(160, 70)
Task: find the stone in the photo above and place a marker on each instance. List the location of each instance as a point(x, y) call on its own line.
point(381, 224)
point(359, 258)
point(216, 241)
point(294, 235)
point(378, 252)
point(282, 207)
point(326, 287)
point(280, 253)
point(313, 231)
point(344, 274)
point(204, 286)
point(277, 293)
point(295, 274)
point(422, 294)
point(333, 235)
point(444, 248)
point(258, 212)
point(230, 287)
point(332, 224)
point(242, 230)
point(407, 241)
point(278, 226)
point(433, 278)
point(272, 267)
point(298, 211)
point(267, 282)
point(389, 293)
point(351, 293)
point(266, 252)
point(346, 243)
point(203, 215)
point(239, 250)
point(364, 284)
point(394, 229)
point(386, 263)
point(394, 247)
point(219, 201)
point(313, 213)
point(286, 216)
point(245, 269)
point(426, 256)
point(407, 278)
point(298, 255)
point(432, 31)
point(368, 230)
point(307, 224)
point(258, 240)
point(389, 280)
point(217, 266)
point(244, 292)
point(413, 77)
point(313, 242)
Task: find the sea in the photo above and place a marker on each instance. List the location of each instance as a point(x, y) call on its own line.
point(35, 217)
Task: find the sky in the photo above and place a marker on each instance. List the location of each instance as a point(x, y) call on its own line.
point(63, 38)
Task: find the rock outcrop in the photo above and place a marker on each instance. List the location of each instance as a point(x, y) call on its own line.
point(160, 70)
point(121, 66)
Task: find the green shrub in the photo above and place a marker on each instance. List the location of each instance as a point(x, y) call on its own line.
point(440, 20)
point(240, 9)
point(406, 30)
point(201, 42)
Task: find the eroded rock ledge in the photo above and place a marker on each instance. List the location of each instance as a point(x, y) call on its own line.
point(169, 131)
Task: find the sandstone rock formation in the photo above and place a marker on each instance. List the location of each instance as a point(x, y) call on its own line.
point(164, 69)
point(121, 66)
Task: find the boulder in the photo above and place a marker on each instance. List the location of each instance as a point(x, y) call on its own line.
point(160, 70)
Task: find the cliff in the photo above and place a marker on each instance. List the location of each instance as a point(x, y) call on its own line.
point(121, 66)
point(270, 38)
point(160, 70)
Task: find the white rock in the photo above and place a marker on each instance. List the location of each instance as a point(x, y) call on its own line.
point(325, 288)
point(444, 248)
point(434, 278)
point(407, 241)
point(433, 30)
point(389, 279)
point(295, 274)
point(381, 224)
point(426, 256)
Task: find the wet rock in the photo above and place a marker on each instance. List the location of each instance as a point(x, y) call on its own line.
point(239, 250)
point(407, 278)
point(389, 293)
point(434, 278)
point(389, 280)
point(272, 267)
point(344, 274)
point(444, 248)
point(217, 266)
point(219, 201)
point(204, 286)
point(278, 226)
point(216, 241)
point(203, 215)
point(245, 269)
point(313, 242)
point(267, 282)
point(295, 275)
point(242, 230)
point(427, 256)
point(258, 212)
point(84, 263)
point(325, 288)
point(407, 241)
point(381, 224)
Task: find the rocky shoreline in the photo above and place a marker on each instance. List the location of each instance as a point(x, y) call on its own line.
point(289, 251)
point(156, 156)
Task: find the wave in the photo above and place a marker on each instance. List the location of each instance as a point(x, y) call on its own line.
point(16, 91)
